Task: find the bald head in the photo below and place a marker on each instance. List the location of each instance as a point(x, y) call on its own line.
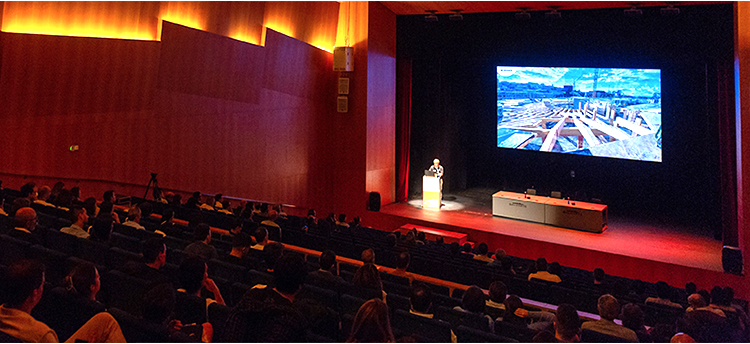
point(25, 218)
point(696, 301)
point(608, 307)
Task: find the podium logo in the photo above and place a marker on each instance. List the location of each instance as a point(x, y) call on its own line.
point(517, 204)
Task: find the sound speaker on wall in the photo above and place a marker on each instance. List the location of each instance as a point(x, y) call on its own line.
point(343, 59)
point(731, 260)
point(373, 203)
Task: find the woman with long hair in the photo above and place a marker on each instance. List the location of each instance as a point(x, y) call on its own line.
point(371, 324)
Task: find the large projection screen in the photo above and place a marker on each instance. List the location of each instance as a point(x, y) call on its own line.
point(603, 112)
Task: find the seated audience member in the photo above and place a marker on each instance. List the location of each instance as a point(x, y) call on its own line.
point(159, 309)
point(473, 302)
point(327, 272)
point(495, 306)
point(483, 253)
point(29, 191)
point(201, 246)
point(64, 200)
point(696, 303)
point(84, 282)
point(634, 319)
point(80, 218)
point(194, 201)
point(279, 208)
point(109, 197)
point(266, 314)
point(567, 326)
point(402, 263)
point(2, 204)
point(542, 274)
point(368, 277)
point(240, 247)
point(390, 241)
point(176, 200)
point(274, 230)
point(134, 218)
point(420, 300)
point(217, 201)
point(101, 230)
point(24, 285)
point(310, 225)
point(193, 279)
point(664, 292)
point(154, 257)
point(682, 338)
point(421, 238)
point(609, 309)
point(90, 205)
point(209, 204)
point(341, 222)
point(410, 239)
point(371, 324)
point(499, 255)
point(75, 194)
point(43, 195)
point(261, 239)
point(106, 210)
point(690, 288)
point(56, 189)
point(167, 224)
point(271, 255)
point(25, 221)
point(513, 304)
point(368, 256)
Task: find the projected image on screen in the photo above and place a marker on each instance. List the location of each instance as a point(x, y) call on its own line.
point(605, 112)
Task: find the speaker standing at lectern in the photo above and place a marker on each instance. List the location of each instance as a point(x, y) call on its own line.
point(437, 170)
point(432, 186)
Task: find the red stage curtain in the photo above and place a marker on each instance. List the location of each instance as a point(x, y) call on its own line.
point(403, 128)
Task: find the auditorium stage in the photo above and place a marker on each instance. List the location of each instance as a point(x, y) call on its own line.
point(632, 248)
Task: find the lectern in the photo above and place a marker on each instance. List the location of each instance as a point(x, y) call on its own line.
point(431, 195)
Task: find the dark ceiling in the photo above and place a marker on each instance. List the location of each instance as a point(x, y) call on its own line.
point(420, 7)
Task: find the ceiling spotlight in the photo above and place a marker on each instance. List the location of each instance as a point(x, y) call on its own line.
point(553, 14)
point(432, 16)
point(633, 12)
point(523, 15)
point(456, 15)
point(670, 11)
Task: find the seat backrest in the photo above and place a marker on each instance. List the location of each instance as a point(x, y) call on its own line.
point(136, 330)
point(470, 335)
point(589, 336)
point(226, 270)
point(217, 316)
point(433, 330)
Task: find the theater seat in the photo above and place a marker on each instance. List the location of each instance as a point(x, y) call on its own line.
point(136, 330)
point(589, 336)
point(433, 330)
point(217, 316)
point(470, 335)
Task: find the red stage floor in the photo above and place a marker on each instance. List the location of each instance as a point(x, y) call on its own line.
point(628, 248)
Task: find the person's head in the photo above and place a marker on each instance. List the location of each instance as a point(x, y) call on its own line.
point(498, 291)
point(210, 200)
point(311, 213)
point(75, 192)
point(197, 195)
point(202, 232)
point(109, 196)
point(167, 214)
point(24, 284)
point(512, 302)
point(567, 323)
point(158, 304)
point(78, 215)
point(728, 296)
point(176, 200)
point(466, 248)
point(420, 298)
point(102, 228)
point(717, 295)
point(342, 218)
point(17, 204)
point(367, 276)
point(193, 272)
point(371, 324)
point(327, 259)
point(663, 290)
point(264, 208)
point(25, 218)
point(241, 243)
point(105, 208)
point(29, 191)
point(421, 236)
point(474, 300)
point(273, 215)
point(85, 280)
point(633, 317)
point(706, 296)
point(134, 214)
point(682, 338)
point(368, 256)
point(500, 253)
point(599, 275)
point(455, 248)
point(436, 162)
point(261, 235)
point(390, 240)
point(64, 199)
point(272, 253)
point(290, 273)
point(44, 193)
point(690, 288)
point(506, 263)
point(541, 264)
point(154, 252)
point(403, 259)
point(696, 301)
point(90, 205)
point(608, 307)
point(554, 268)
point(482, 249)
point(218, 197)
point(57, 188)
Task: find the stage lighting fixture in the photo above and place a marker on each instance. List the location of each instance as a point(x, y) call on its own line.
point(523, 15)
point(553, 14)
point(456, 15)
point(432, 16)
point(670, 11)
point(633, 12)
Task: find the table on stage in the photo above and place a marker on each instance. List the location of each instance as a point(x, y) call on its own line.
point(590, 217)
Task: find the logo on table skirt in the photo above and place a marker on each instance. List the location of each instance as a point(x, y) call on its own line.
point(517, 204)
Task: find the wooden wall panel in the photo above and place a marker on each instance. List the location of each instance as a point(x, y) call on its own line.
point(311, 22)
point(229, 70)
